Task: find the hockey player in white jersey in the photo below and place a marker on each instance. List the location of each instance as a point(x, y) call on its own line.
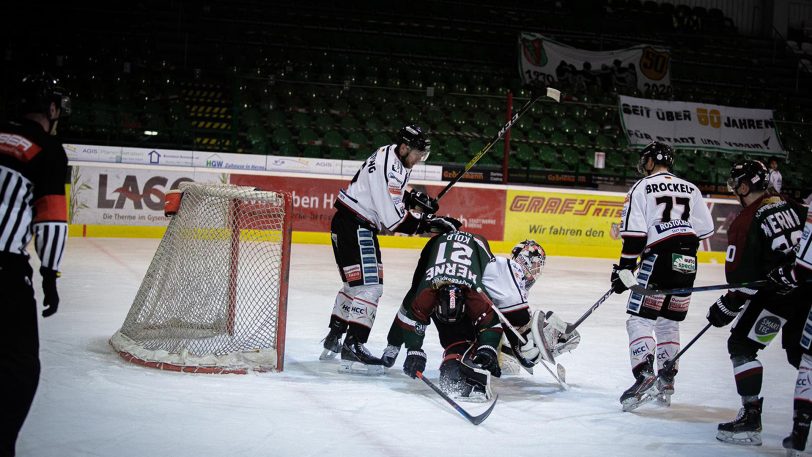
point(664, 217)
point(786, 279)
point(375, 200)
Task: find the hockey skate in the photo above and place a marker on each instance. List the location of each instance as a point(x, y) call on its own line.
point(356, 358)
point(745, 430)
point(332, 344)
point(644, 388)
point(795, 443)
point(665, 386)
point(390, 354)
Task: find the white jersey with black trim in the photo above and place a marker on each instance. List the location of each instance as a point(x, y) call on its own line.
point(505, 284)
point(376, 191)
point(661, 206)
point(803, 258)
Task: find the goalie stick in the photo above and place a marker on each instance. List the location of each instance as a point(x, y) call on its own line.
point(476, 420)
point(562, 373)
point(555, 94)
point(687, 290)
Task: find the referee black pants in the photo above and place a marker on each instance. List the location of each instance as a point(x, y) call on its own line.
point(19, 348)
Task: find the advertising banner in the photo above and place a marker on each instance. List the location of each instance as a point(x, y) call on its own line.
point(229, 161)
point(542, 60)
point(144, 156)
point(699, 126)
point(88, 153)
point(480, 210)
point(303, 165)
point(568, 220)
point(121, 196)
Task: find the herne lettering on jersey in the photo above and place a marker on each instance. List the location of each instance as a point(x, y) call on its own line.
point(778, 222)
point(450, 272)
point(670, 187)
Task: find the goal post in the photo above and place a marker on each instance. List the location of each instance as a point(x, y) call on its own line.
point(214, 298)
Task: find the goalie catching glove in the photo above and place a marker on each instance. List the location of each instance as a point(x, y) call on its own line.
point(433, 224)
point(418, 200)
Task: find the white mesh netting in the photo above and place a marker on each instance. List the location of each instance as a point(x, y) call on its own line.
point(213, 298)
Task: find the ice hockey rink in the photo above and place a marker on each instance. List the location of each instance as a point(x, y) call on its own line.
point(91, 402)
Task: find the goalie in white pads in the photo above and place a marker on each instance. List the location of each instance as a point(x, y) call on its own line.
point(664, 217)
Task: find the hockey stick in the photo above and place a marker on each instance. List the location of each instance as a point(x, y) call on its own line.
point(589, 311)
point(555, 94)
point(559, 368)
point(670, 363)
point(687, 290)
point(476, 420)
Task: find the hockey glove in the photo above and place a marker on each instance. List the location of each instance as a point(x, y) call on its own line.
point(783, 279)
point(487, 359)
point(618, 286)
point(418, 200)
point(434, 224)
point(721, 312)
point(415, 361)
point(51, 300)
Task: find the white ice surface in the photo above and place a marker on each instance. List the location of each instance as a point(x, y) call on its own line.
point(91, 402)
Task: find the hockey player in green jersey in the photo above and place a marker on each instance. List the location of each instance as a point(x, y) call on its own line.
point(447, 288)
point(760, 238)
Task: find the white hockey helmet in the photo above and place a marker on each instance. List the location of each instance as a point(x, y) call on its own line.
point(531, 257)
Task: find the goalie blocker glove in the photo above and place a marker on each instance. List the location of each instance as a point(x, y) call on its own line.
point(721, 312)
point(418, 200)
point(415, 362)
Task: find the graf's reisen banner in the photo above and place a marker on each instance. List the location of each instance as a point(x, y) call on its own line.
point(699, 125)
point(575, 223)
point(647, 68)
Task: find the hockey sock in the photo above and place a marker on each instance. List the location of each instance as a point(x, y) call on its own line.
point(749, 373)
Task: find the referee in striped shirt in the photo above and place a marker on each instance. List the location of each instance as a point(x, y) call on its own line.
point(33, 167)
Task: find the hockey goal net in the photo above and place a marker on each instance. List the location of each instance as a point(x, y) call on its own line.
point(214, 297)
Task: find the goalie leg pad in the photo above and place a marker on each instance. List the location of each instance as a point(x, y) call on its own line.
point(544, 335)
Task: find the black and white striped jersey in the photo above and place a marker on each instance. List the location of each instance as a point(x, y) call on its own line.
point(33, 167)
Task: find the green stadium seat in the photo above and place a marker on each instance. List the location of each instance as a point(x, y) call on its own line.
point(308, 137)
point(333, 139)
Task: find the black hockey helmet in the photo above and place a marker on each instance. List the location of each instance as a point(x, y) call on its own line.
point(450, 304)
point(413, 136)
point(660, 153)
point(37, 92)
point(753, 172)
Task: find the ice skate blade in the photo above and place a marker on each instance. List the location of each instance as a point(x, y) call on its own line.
point(664, 400)
point(352, 367)
point(327, 355)
point(794, 453)
point(740, 438)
